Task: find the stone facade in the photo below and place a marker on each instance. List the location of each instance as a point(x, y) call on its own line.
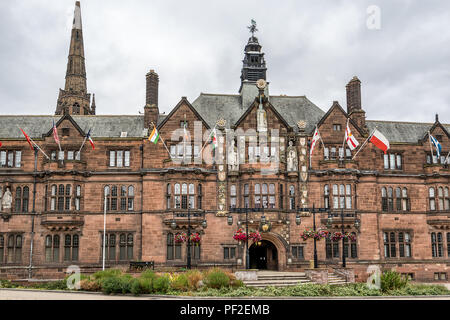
point(57, 213)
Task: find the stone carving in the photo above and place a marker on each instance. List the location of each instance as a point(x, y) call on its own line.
point(292, 163)
point(233, 157)
point(262, 119)
point(301, 125)
point(7, 199)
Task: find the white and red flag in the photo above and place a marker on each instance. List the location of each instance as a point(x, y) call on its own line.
point(379, 140)
point(316, 137)
point(350, 138)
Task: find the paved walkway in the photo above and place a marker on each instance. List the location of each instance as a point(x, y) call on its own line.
point(24, 294)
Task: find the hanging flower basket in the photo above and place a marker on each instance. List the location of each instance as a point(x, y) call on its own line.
point(336, 236)
point(240, 235)
point(318, 234)
point(195, 238)
point(350, 236)
point(180, 237)
point(255, 236)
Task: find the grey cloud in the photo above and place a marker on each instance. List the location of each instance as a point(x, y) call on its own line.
point(312, 48)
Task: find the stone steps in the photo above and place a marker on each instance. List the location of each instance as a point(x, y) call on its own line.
point(278, 279)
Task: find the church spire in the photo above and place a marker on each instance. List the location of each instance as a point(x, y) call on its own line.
point(74, 99)
point(254, 65)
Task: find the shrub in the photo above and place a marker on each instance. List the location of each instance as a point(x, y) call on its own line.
point(146, 285)
point(148, 274)
point(161, 284)
point(392, 280)
point(180, 282)
point(194, 277)
point(90, 285)
point(7, 284)
point(121, 284)
point(107, 274)
point(216, 278)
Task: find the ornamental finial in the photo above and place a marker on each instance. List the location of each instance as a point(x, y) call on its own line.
point(253, 28)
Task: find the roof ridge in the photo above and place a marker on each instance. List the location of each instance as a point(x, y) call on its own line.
point(408, 122)
point(219, 94)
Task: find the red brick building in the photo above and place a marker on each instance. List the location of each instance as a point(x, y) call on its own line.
point(53, 208)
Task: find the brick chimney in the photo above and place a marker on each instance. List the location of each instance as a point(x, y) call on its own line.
point(354, 108)
point(151, 110)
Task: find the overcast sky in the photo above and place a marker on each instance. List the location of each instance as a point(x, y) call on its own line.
point(312, 48)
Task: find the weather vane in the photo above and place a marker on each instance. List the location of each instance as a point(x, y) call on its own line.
point(253, 27)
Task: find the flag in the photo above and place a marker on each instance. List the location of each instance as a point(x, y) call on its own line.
point(154, 136)
point(316, 137)
point(379, 140)
point(186, 136)
point(350, 138)
point(88, 136)
point(28, 138)
point(55, 133)
point(0, 144)
point(214, 139)
point(437, 145)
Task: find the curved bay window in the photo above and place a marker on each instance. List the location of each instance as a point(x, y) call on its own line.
point(119, 198)
point(22, 199)
point(342, 196)
point(184, 194)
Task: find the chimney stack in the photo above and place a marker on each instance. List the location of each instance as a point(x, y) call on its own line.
point(152, 88)
point(151, 110)
point(354, 109)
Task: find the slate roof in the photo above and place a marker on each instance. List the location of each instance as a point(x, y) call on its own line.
point(212, 107)
point(395, 131)
point(102, 126)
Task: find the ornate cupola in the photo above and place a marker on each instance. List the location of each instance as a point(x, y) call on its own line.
point(75, 99)
point(254, 65)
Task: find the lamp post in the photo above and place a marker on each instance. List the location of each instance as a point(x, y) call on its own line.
point(106, 190)
point(313, 210)
point(230, 222)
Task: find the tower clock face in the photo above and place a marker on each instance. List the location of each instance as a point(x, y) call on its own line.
point(261, 84)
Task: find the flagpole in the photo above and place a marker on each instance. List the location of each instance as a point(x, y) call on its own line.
point(204, 145)
point(59, 142)
point(34, 143)
point(431, 147)
point(164, 143)
point(370, 136)
point(446, 158)
point(343, 142)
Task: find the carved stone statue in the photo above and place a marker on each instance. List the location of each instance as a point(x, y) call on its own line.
point(262, 120)
point(7, 200)
point(233, 157)
point(292, 162)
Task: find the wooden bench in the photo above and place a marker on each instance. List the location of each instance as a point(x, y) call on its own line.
point(141, 265)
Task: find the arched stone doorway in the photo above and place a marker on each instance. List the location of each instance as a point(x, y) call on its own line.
point(263, 256)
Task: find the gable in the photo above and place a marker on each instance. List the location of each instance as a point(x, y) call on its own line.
point(274, 120)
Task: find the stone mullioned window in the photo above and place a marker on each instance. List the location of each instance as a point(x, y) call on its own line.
point(439, 201)
point(11, 248)
point(394, 199)
point(119, 198)
point(119, 246)
point(63, 198)
point(184, 196)
point(68, 243)
point(341, 196)
point(397, 244)
point(437, 244)
point(10, 159)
